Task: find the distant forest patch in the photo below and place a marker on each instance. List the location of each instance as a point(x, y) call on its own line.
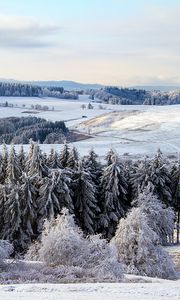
point(28, 90)
point(21, 130)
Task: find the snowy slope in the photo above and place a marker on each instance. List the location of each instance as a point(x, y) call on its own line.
point(129, 129)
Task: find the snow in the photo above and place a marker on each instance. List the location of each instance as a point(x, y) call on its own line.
point(155, 290)
point(133, 129)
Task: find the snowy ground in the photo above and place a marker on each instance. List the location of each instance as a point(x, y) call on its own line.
point(128, 129)
point(107, 291)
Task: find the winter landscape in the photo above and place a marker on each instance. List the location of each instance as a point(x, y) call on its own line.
point(89, 150)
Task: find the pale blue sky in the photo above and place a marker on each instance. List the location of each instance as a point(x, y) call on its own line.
point(120, 42)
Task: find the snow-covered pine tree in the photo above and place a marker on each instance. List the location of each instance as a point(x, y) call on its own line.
point(28, 194)
point(139, 249)
point(73, 159)
point(84, 198)
point(63, 189)
point(29, 156)
point(64, 155)
point(110, 156)
point(54, 194)
point(160, 218)
point(4, 159)
point(13, 230)
point(22, 159)
point(13, 171)
point(91, 163)
point(36, 165)
point(140, 177)
point(3, 199)
point(113, 202)
point(175, 175)
point(53, 160)
point(156, 173)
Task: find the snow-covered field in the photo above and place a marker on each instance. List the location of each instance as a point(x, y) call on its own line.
point(129, 129)
point(156, 290)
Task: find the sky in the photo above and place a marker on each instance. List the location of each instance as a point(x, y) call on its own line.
point(112, 42)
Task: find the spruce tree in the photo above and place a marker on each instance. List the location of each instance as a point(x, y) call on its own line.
point(175, 175)
point(53, 160)
point(22, 159)
point(73, 159)
point(54, 194)
point(13, 229)
point(156, 173)
point(36, 164)
point(4, 160)
point(13, 171)
point(114, 202)
point(110, 156)
point(64, 155)
point(3, 199)
point(85, 202)
point(28, 194)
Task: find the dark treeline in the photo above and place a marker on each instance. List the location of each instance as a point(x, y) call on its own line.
point(36, 186)
point(21, 130)
point(127, 96)
point(28, 90)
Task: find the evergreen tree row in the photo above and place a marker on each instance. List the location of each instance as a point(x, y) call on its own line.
point(35, 186)
point(14, 89)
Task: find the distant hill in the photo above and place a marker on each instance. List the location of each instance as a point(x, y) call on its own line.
point(67, 85)
point(157, 88)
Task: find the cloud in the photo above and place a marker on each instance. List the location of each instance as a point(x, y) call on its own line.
point(21, 32)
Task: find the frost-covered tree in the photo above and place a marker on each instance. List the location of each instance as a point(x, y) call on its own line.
point(110, 156)
point(13, 229)
point(3, 199)
point(54, 194)
point(139, 249)
point(28, 194)
point(93, 165)
point(6, 249)
point(160, 218)
point(22, 159)
point(84, 198)
point(175, 175)
point(13, 171)
point(4, 160)
point(64, 155)
point(36, 164)
point(63, 243)
point(29, 156)
point(113, 203)
point(154, 172)
point(73, 159)
point(53, 160)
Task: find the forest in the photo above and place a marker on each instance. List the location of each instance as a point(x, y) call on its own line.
point(28, 90)
point(132, 96)
point(83, 218)
point(36, 186)
point(21, 130)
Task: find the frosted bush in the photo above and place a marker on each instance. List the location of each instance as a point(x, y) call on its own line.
point(160, 218)
point(138, 247)
point(6, 249)
point(63, 244)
